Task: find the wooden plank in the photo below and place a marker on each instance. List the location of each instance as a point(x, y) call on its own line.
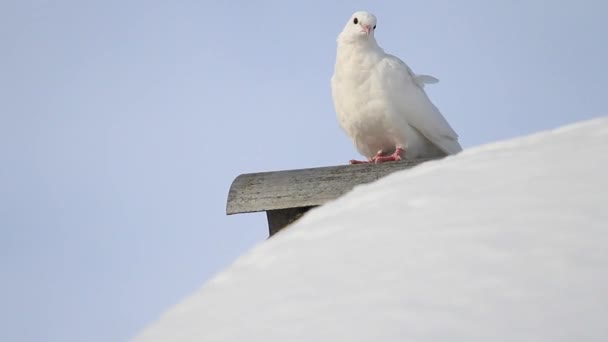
point(265, 191)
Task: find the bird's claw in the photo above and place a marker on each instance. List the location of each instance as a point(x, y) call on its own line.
point(380, 157)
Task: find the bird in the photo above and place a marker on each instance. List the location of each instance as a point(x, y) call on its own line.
point(380, 102)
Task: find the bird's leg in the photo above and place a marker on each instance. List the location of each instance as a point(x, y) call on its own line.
point(369, 160)
point(393, 157)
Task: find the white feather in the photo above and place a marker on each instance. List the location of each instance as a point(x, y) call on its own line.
point(381, 103)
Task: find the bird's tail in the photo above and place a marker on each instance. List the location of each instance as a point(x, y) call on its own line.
point(449, 145)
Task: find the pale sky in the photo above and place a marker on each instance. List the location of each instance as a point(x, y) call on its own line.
point(122, 125)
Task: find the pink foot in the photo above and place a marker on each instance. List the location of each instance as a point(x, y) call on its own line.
point(370, 160)
point(393, 157)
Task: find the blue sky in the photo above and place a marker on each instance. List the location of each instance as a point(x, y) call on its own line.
point(122, 125)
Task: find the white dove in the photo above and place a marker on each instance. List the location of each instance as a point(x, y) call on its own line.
point(381, 103)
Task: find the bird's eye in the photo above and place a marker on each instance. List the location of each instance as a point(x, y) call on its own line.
point(374, 27)
point(355, 21)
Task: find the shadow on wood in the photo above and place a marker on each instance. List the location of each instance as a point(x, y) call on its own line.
point(287, 195)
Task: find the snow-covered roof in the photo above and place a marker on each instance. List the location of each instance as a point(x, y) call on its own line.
point(505, 242)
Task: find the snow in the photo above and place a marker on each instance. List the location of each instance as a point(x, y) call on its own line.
point(505, 242)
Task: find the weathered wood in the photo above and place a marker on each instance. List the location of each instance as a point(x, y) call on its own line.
point(267, 191)
point(280, 218)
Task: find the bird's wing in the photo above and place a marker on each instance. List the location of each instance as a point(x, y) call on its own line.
point(409, 95)
point(425, 79)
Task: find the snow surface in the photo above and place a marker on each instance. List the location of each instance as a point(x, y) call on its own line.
point(506, 242)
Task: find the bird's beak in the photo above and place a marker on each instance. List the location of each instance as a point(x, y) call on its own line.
point(366, 28)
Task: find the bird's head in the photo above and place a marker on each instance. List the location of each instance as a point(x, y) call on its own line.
point(359, 28)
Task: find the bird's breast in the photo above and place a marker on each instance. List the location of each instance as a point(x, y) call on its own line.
point(359, 96)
